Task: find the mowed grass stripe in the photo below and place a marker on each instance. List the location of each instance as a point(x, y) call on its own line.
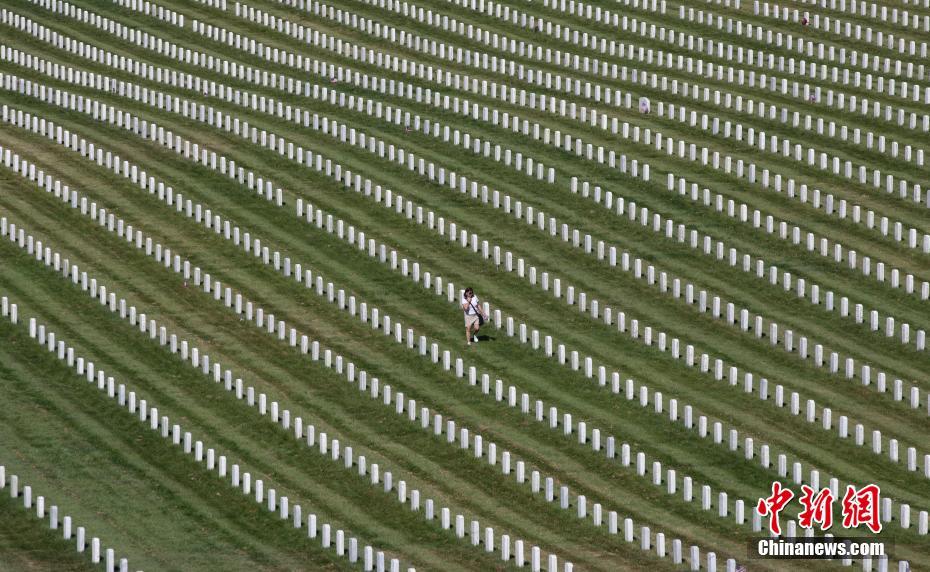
point(27, 543)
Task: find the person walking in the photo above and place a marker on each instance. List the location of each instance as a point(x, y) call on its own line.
point(474, 316)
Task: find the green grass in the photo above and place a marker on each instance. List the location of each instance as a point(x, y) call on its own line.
point(446, 473)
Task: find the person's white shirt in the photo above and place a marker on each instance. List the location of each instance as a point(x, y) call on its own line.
point(473, 309)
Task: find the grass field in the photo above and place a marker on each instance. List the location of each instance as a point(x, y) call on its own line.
point(162, 510)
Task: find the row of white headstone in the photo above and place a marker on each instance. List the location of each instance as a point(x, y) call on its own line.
point(907, 20)
point(149, 414)
point(919, 336)
point(219, 4)
point(640, 463)
point(530, 167)
point(129, 34)
point(43, 31)
point(611, 47)
point(421, 165)
point(640, 460)
point(737, 75)
point(504, 119)
point(730, 130)
point(498, 41)
point(907, 236)
point(849, 29)
point(589, 11)
point(450, 77)
point(885, 145)
point(392, 63)
point(317, 215)
point(878, 39)
point(410, 210)
point(808, 240)
point(211, 61)
point(578, 9)
point(520, 74)
point(395, 261)
point(790, 184)
point(119, 226)
point(328, 445)
point(762, 59)
point(152, 9)
point(216, 224)
point(775, 277)
point(741, 212)
point(899, 230)
point(319, 222)
point(713, 124)
point(864, 9)
point(716, 305)
point(739, 26)
point(477, 445)
point(37, 503)
point(719, 249)
point(36, 247)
